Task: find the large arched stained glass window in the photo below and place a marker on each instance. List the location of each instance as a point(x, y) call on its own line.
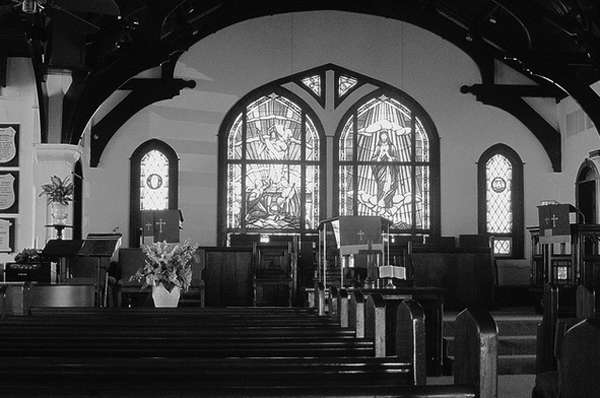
point(272, 167)
point(154, 180)
point(500, 193)
point(387, 164)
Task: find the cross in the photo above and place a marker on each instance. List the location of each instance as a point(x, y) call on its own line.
point(554, 220)
point(149, 227)
point(361, 235)
point(160, 224)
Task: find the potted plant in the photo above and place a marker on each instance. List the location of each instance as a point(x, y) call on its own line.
point(168, 269)
point(58, 194)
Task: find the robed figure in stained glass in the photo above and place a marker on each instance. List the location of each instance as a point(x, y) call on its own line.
point(383, 138)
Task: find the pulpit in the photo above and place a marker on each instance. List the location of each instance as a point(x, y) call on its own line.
point(565, 255)
point(352, 249)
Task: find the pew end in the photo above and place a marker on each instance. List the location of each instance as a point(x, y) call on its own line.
point(476, 358)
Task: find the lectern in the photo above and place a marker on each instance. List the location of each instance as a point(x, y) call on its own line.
point(353, 245)
point(101, 246)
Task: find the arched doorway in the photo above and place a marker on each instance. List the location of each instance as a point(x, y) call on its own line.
point(585, 191)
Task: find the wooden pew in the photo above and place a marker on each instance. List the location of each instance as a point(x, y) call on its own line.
point(587, 300)
point(356, 313)
point(125, 340)
point(410, 338)
point(579, 361)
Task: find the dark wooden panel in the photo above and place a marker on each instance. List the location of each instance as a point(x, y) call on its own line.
point(227, 275)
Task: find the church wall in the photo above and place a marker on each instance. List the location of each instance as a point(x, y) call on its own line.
point(18, 104)
point(233, 61)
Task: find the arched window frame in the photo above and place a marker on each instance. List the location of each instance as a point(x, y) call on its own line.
point(226, 126)
point(135, 160)
point(517, 201)
point(434, 157)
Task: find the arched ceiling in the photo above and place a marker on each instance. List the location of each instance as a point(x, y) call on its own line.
point(556, 43)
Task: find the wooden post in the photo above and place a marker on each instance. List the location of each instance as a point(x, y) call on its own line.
point(333, 303)
point(343, 308)
point(320, 292)
point(356, 318)
point(586, 302)
point(410, 338)
point(375, 323)
point(476, 352)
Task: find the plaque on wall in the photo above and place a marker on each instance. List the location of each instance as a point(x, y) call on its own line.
point(9, 192)
point(9, 145)
point(7, 235)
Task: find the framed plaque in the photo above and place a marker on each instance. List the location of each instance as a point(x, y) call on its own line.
point(9, 192)
point(7, 235)
point(9, 145)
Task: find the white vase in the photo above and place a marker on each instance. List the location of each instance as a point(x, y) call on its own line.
point(163, 298)
point(59, 213)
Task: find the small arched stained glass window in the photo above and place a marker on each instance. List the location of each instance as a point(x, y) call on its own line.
point(154, 181)
point(498, 171)
point(500, 200)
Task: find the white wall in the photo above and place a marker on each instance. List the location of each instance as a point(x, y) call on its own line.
point(237, 59)
point(18, 104)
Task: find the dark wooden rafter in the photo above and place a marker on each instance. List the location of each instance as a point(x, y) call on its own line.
point(3, 68)
point(509, 100)
point(143, 93)
point(89, 91)
point(35, 51)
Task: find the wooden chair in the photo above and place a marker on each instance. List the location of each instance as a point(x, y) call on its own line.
point(274, 274)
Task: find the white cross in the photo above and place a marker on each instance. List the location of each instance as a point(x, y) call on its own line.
point(160, 224)
point(361, 235)
point(149, 227)
point(554, 220)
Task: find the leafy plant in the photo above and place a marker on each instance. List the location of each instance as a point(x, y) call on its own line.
point(167, 263)
point(28, 256)
point(58, 191)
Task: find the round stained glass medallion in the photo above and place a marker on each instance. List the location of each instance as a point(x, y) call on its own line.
point(154, 181)
point(498, 184)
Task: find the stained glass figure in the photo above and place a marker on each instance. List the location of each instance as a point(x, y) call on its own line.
point(273, 171)
point(377, 151)
point(345, 83)
point(154, 181)
point(498, 171)
point(313, 83)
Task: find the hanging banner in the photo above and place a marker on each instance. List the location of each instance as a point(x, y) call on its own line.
point(554, 223)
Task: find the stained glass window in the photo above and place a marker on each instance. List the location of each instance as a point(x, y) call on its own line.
point(313, 83)
point(154, 177)
point(345, 84)
point(500, 200)
point(384, 164)
point(273, 168)
point(154, 181)
point(498, 172)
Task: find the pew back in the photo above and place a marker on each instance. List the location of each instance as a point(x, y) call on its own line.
point(579, 361)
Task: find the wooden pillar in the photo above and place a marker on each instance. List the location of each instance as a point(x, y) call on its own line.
point(356, 314)
point(410, 338)
point(320, 292)
point(586, 300)
point(375, 329)
point(343, 308)
point(476, 352)
point(333, 303)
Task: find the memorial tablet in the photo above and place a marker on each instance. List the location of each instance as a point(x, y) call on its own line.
point(8, 192)
point(9, 145)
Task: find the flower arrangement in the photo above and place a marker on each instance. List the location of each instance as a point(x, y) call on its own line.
point(58, 191)
point(27, 256)
point(167, 263)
